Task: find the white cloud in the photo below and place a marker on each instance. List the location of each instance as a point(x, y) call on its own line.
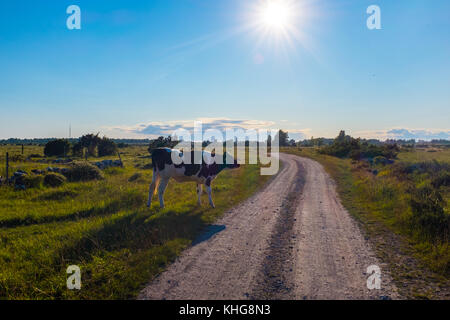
point(403, 133)
point(157, 128)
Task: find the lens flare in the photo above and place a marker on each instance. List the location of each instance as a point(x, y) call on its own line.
point(276, 15)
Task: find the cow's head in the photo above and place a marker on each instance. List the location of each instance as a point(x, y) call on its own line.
point(230, 164)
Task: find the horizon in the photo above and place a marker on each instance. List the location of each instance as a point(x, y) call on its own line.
point(140, 70)
point(297, 140)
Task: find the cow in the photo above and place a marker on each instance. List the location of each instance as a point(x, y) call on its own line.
point(183, 171)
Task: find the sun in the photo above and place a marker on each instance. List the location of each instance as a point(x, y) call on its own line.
point(276, 15)
point(279, 25)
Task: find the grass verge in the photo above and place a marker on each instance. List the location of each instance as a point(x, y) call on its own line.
point(380, 204)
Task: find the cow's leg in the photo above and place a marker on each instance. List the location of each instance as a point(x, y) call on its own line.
point(153, 186)
point(199, 193)
point(161, 189)
point(209, 191)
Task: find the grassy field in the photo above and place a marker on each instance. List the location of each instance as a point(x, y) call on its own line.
point(381, 203)
point(102, 226)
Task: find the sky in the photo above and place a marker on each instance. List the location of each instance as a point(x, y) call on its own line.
point(137, 69)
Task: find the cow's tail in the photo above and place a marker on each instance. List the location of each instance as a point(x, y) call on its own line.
point(159, 157)
point(156, 180)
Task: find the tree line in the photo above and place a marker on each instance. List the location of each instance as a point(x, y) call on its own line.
point(87, 145)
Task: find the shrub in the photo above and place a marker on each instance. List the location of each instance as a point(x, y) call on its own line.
point(380, 160)
point(346, 146)
point(428, 213)
point(90, 142)
point(106, 147)
point(32, 181)
point(442, 179)
point(53, 179)
point(83, 171)
point(433, 168)
point(58, 147)
point(77, 149)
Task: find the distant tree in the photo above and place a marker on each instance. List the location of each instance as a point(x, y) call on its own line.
point(90, 142)
point(77, 149)
point(106, 147)
point(284, 138)
point(58, 147)
point(341, 138)
point(161, 142)
point(122, 145)
point(320, 142)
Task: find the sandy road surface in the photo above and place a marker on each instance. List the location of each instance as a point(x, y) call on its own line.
point(292, 240)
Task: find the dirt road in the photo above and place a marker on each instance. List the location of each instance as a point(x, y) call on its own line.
point(292, 240)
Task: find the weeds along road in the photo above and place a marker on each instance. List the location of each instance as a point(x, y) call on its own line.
point(292, 240)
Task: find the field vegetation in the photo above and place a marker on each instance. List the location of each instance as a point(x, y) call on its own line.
point(397, 194)
point(98, 220)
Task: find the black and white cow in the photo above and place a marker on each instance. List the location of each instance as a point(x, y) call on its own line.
point(164, 169)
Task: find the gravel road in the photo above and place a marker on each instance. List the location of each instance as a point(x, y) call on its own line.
point(291, 240)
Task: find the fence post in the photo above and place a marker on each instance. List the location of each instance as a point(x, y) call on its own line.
point(7, 168)
point(120, 158)
point(22, 148)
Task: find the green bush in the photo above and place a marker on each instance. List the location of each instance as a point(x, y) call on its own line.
point(380, 160)
point(345, 146)
point(83, 171)
point(77, 149)
point(442, 179)
point(53, 179)
point(428, 213)
point(90, 142)
point(106, 147)
point(58, 147)
point(32, 181)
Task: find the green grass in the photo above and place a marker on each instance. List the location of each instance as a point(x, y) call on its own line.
point(103, 227)
point(381, 204)
point(428, 154)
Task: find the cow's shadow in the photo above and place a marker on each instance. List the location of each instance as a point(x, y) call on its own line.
point(208, 233)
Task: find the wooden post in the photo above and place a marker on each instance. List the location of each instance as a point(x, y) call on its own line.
point(120, 158)
point(7, 167)
point(22, 148)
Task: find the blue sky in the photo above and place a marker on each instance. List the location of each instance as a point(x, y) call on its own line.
point(136, 66)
